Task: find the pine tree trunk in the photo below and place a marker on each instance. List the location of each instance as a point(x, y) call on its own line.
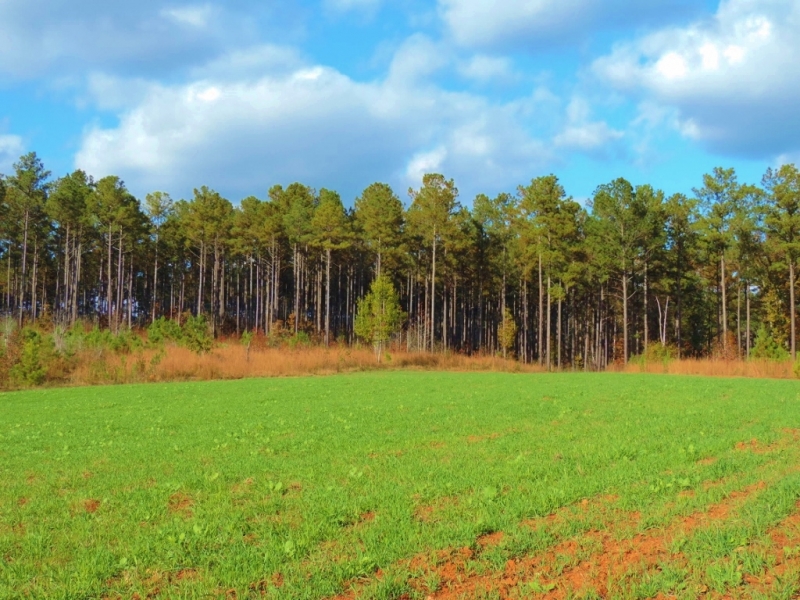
point(646, 331)
point(625, 316)
point(548, 324)
point(541, 312)
point(108, 281)
point(155, 283)
point(21, 297)
point(328, 296)
point(296, 291)
point(558, 334)
point(747, 303)
point(792, 308)
point(433, 291)
point(724, 302)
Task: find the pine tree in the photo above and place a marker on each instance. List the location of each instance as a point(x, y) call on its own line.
point(379, 220)
point(783, 230)
point(330, 231)
point(430, 218)
point(379, 315)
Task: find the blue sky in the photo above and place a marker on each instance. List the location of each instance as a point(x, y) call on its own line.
point(340, 93)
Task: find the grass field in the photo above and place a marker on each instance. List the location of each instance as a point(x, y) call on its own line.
point(403, 485)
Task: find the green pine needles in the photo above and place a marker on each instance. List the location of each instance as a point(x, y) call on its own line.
point(379, 315)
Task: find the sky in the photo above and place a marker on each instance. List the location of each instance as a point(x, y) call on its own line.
point(246, 94)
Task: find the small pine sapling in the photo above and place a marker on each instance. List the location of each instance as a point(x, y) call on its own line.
point(379, 315)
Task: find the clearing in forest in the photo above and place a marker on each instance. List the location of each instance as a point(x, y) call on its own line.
point(403, 485)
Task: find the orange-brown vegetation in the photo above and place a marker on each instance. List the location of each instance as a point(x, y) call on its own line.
point(715, 367)
point(180, 503)
point(231, 361)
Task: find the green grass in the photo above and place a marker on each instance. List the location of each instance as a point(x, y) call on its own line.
point(210, 489)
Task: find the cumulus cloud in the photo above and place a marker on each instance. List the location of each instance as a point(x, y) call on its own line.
point(583, 134)
point(534, 23)
point(196, 16)
point(11, 148)
point(152, 36)
point(417, 58)
point(732, 79)
point(483, 68)
point(313, 124)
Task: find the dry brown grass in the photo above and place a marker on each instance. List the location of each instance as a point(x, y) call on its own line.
point(710, 367)
point(175, 363)
point(231, 361)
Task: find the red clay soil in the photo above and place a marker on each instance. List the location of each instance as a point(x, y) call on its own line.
point(757, 447)
point(180, 503)
point(784, 554)
point(590, 562)
point(474, 439)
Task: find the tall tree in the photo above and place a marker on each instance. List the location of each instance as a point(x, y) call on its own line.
point(619, 226)
point(330, 232)
point(783, 230)
point(207, 220)
point(26, 195)
point(159, 207)
point(379, 221)
point(430, 218)
point(296, 204)
point(67, 206)
point(681, 231)
point(541, 205)
point(720, 199)
point(112, 208)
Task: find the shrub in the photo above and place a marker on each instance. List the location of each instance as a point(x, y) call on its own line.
point(196, 335)
point(656, 352)
point(247, 340)
point(29, 369)
point(300, 339)
point(765, 347)
point(163, 329)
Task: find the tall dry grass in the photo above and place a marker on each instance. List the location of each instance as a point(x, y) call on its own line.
point(232, 361)
point(710, 367)
point(174, 363)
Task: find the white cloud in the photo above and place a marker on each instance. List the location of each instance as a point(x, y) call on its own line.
point(418, 57)
point(316, 125)
point(733, 79)
point(251, 62)
point(11, 148)
point(484, 68)
point(484, 22)
point(536, 23)
point(425, 162)
point(69, 36)
point(193, 16)
point(582, 134)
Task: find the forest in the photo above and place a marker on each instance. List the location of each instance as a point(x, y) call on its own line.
point(530, 273)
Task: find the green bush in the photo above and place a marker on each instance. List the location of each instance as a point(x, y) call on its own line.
point(299, 339)
point(196, 335)
point(656, 352)
point(164, 330)
point(123, 342)
point(765, 347)
point(30, 370)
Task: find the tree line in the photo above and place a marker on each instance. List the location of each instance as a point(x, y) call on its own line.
point(533, 273)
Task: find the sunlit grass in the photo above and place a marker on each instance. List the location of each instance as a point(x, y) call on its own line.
point(309, 487)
